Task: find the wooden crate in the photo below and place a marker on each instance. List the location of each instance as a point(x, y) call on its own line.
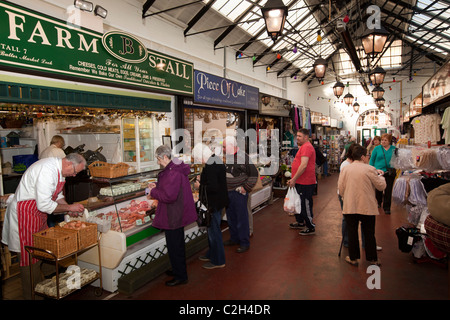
point(102, 169)
point(85, 236)
point(56, 240)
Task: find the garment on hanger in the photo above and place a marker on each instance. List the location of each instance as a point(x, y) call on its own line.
point(445, 122)
point(426, 128)
point(443, 157)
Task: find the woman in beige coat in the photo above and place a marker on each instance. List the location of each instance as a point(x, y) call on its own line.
point(357, 183)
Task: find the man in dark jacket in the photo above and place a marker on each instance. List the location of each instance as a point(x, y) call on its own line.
point(242, 176)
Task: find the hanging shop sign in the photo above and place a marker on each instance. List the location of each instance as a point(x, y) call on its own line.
point(34, 42)
point(437, 87)
point(270, 105)
point(211, 89)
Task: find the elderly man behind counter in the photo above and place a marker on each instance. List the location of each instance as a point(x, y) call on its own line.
point(38, 194)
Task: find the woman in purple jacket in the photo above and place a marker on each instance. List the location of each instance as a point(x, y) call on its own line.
point(175, 210)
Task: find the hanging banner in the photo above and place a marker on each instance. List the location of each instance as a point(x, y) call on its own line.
point(211, 89)
point(34, 42)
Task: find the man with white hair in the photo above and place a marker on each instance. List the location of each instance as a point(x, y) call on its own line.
point(242, 176)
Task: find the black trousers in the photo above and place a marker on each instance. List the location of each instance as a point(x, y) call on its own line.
point(306, 195)
point(384, 197)
point(177, 252)
point(368, 229)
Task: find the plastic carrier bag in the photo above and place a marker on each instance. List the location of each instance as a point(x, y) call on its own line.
point(292, 203)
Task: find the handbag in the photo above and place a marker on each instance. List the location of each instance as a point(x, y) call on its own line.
point(201, 206)
point(391, 172)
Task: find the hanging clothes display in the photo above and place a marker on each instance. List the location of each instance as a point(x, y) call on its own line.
point(445, 123)
point(293, 114)
point(308, 120)
point(426, 128)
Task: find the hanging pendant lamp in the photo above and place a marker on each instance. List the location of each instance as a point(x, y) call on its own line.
point(320, 68)
point(377, 75)
point(377, 92)
point(274, 13)
point(379, 102)
point(356, 107)
point(348, 99)
point(373, 41)
point(338, 89)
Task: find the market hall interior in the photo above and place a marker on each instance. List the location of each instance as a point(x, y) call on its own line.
point(283, 265)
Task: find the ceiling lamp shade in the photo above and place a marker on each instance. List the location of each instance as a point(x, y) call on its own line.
point(356, 107)
point(320, 68)
point(377, 92)
point(380, 102)
point(377, 75)
point(274, 13)
point(338, 89)
point(83, 5)
point(348, 99)
point(373, 41)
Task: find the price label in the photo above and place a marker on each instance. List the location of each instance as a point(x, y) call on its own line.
point(410, 241)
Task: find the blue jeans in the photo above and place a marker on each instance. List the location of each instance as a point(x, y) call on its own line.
point(216, 252)
point(237, 217)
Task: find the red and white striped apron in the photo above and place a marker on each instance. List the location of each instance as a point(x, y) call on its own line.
point(30, 221)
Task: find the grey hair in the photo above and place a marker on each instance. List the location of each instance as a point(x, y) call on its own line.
point(76, 159)
point(162, 151)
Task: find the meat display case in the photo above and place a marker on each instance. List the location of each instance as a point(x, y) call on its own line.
point(121, 203)
point(130, 241)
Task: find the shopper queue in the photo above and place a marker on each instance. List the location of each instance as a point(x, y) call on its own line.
point(228, 179)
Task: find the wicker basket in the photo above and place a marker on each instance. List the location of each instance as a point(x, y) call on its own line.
point(107, 170)
point(56, 240)
point(85, 236)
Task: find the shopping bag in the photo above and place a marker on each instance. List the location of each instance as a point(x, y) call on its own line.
point(292, 203)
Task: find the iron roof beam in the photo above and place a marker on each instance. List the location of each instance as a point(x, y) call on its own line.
point(198, 16)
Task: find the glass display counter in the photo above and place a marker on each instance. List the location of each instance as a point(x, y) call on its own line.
point(122, 205)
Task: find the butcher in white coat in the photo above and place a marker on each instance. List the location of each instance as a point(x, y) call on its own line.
point(38, 194)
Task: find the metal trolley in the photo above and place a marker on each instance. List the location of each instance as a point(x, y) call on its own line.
point(33, 252)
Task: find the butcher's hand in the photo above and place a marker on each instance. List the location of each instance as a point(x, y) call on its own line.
point(76, 210)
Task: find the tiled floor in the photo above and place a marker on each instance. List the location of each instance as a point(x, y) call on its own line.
point(283, 265)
